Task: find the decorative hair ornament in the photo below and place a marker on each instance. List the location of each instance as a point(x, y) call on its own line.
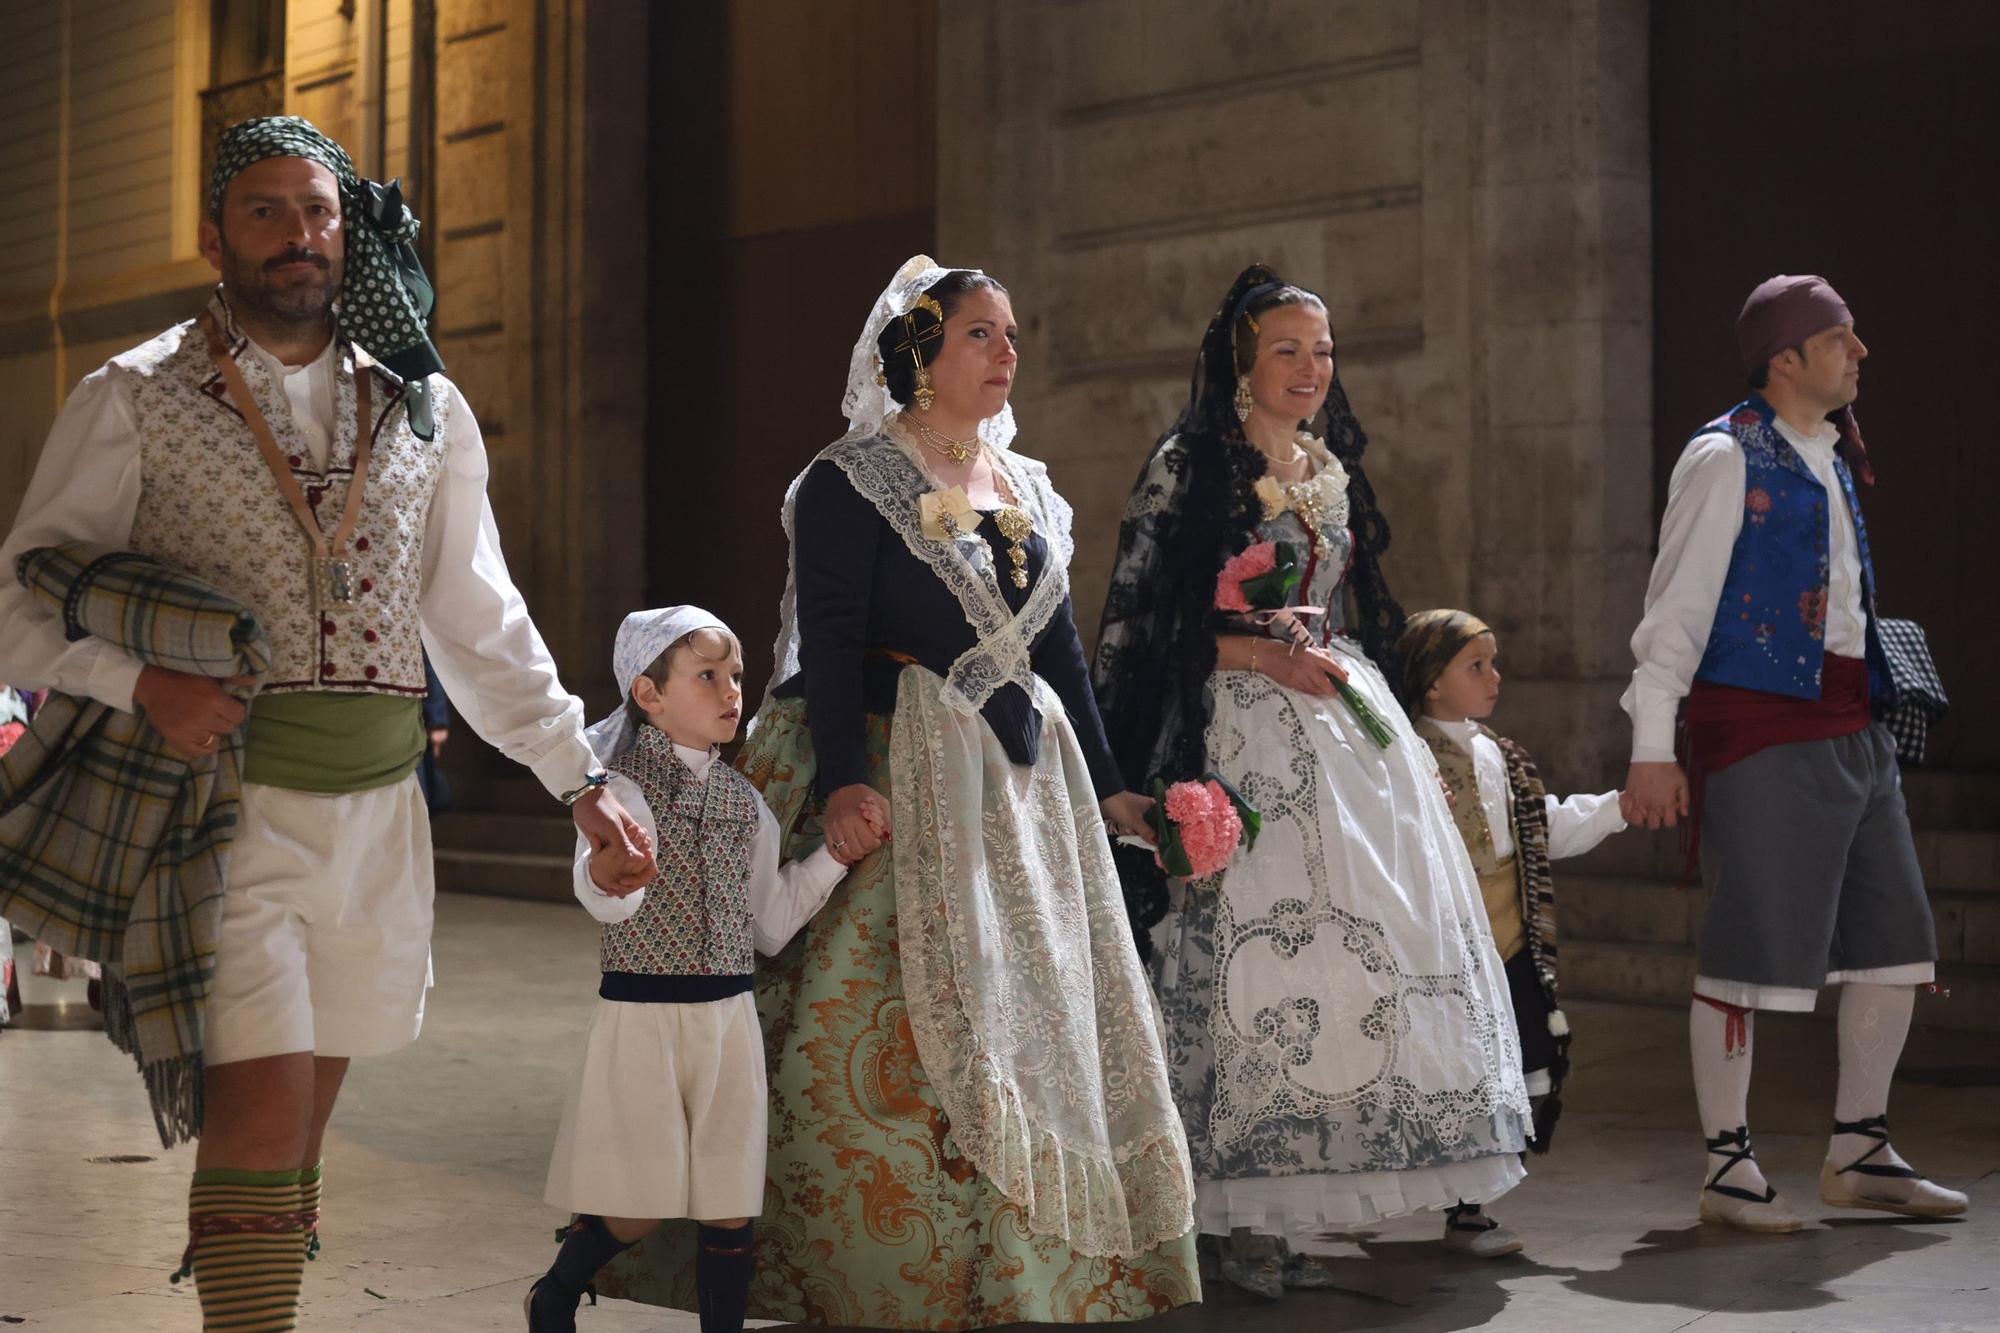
point(914, 340)
point(1245, 401)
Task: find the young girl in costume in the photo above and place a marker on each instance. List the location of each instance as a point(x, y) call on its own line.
point(667, 1117)
point(1512, 829)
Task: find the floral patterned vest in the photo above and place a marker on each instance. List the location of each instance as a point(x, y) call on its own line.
point(208, 506)
point(1529, 828)
point(695, 920)
point(1770, 623)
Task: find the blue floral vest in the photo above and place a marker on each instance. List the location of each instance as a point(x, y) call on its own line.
point(1770, 623)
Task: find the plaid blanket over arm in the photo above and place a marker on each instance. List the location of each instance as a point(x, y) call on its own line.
point(112, 847)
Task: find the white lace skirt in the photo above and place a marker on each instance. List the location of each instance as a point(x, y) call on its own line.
point(1339, 1029)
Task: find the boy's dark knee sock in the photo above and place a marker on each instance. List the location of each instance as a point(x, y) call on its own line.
point(723, 1265)
point(588, 1247)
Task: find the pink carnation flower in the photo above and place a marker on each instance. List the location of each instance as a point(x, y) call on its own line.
point(1207, 821)
point(1259, 559)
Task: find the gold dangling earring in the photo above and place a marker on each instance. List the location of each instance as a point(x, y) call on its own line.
point(1244, 402)
point(924, 396)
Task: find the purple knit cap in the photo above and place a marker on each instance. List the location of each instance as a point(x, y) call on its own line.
point(1785, 311)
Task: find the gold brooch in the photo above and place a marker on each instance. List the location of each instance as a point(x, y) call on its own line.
point(1016, 527)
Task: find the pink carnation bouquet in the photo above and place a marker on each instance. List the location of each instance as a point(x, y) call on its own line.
point(1199, 826)
point(1260, 582)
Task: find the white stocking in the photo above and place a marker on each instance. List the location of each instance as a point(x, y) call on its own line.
point(1874, 1022)
point(1720, 1042)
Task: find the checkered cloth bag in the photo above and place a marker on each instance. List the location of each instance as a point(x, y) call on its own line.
point(1920, 697)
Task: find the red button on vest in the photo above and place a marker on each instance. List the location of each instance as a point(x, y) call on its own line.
point(360, 543)
point(368, 585)
point(368, 635)
point(368, 672)
point(326, 627)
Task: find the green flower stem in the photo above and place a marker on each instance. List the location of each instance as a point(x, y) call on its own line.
point(1370, 722)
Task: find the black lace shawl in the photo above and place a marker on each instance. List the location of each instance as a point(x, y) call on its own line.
point(1193, 506)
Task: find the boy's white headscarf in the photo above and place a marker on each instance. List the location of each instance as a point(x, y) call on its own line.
point(641, 640)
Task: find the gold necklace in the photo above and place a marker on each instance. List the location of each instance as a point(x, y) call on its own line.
point(1016, 527)
point(956, 450)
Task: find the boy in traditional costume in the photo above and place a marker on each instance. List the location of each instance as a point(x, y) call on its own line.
point(1512, 828)
point(667, 1117)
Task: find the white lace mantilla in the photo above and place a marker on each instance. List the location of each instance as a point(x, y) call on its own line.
point(1026, 999)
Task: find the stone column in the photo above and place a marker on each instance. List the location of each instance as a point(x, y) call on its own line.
point(541, 245)
point(1466, 181)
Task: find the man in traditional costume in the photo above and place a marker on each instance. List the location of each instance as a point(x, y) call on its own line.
point(295, 448)
point(1761, 612)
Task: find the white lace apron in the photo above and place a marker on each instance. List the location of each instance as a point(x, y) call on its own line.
point(1026, 999)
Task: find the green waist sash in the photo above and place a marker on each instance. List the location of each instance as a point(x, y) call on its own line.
point(332, 744)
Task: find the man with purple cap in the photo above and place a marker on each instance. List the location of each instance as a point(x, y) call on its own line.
point(1761, 614)
point(295, 448)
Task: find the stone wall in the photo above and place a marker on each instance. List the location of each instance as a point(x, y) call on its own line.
point(540, 256)
point(509, 121)
point(1468, 185)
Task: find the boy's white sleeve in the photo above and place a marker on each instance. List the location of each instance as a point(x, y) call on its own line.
point(1581, 822)
point(784, 897)
point(606, 908)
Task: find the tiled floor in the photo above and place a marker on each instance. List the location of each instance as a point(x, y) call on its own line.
point(434, 1220)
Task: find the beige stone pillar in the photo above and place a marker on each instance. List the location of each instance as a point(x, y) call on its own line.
point(1466, 183)
point(540, 244)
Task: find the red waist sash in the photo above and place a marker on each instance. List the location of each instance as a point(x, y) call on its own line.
point(1726, 724)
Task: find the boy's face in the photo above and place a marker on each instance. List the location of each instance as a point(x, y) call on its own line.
point(702, 700)
point(1470, 686)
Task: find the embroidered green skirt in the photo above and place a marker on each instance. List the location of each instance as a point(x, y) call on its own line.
point(872, 1216)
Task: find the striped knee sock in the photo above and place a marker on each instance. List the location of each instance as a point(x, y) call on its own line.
point(309, 1205)
point(246, 1248)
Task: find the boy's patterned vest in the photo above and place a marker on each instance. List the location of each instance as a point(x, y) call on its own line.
point(1770, 623)
point(1527, 804)
point(695, 920)
point(208, 506)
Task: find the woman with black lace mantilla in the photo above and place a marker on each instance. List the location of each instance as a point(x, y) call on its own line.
point(971, 1122)
point(1339, 1033)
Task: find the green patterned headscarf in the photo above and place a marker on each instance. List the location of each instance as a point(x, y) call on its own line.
point(385, 297)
